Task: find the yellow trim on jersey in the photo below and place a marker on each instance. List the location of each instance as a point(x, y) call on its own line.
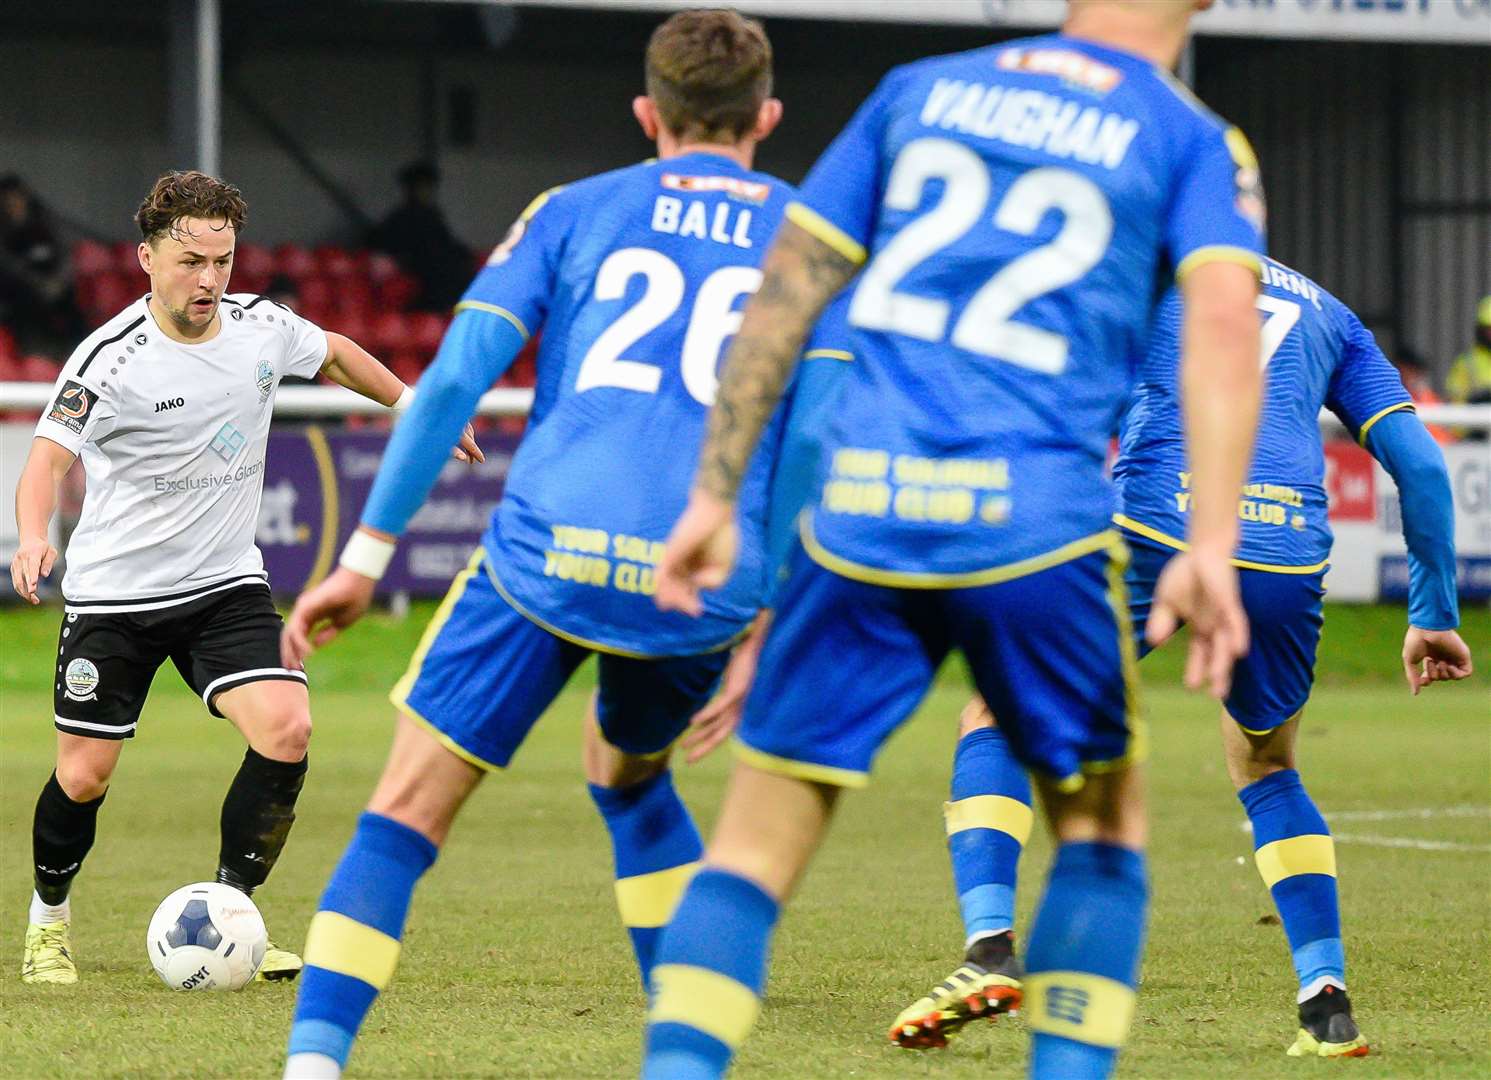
point(829, 354)
point(586, 643)
point(704, 1000)
point(905, 579)
point(810, 221)
point(344, 945)
point(800, 770)
point(999, 812)
point(326, 473)
point(399, 695)
point(1312, 854)
point(649, 899)
point(1361, 436)
point(1118, 600)
point(1080, 1006)
point(1242, 564)
point(482, 305)
point(1218, 253)
point(538, 202)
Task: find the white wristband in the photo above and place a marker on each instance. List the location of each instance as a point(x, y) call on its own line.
point(367, 555)
point(406, 398)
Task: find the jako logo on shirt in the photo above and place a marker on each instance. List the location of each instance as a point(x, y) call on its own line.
point(264, 378)
point(173, 403)
point(81, 678)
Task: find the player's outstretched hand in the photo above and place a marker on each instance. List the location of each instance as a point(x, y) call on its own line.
point(718, 720)
point(1431, 656)
point(467, 450)
point(1201, 589)
point(699, 554)
point(33, 561)
point(324, 612)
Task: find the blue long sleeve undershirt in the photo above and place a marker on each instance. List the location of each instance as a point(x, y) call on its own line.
point(478, 347)
point(1407, 451)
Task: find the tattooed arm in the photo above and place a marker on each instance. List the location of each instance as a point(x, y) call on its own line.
point(801, 275)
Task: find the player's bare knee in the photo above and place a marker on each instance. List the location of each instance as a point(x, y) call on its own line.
point(287, 736)
point(84, 778)
point(975, 715)
point(1255, 755)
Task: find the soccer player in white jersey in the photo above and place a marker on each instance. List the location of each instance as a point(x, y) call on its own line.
point(168, 404)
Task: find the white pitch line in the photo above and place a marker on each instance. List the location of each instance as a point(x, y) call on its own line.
point(1405, 842)
point(1423, 813)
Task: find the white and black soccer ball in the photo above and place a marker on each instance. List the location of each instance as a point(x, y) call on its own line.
point(206, 936)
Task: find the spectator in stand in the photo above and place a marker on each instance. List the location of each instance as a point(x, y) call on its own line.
point(1415, 375)
point(36, 297)
point(1469, 380)
point(417, 235)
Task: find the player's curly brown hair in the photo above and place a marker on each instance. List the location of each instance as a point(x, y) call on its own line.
point(709, 71)
point(191, 194)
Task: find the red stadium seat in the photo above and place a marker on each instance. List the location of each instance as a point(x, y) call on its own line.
point(397, 291)
point(390, 333)
point(127, 256)
point(336, 262)
point(8, 348)
point(381, 267)
point(349, 324)
point(294, 261)
point(353, 293)
point(315, 292)
point(89, 257)
point(39, 369)
point(427, 329)
point(101, 295)
point(406, 365)
point(254, 259)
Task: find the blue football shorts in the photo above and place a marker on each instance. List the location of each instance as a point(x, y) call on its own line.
point(847, 661)
point(1272, 682)
point(484, 673)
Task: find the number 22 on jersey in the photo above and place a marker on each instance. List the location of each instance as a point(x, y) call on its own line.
point(713, 318)
point(986, 326)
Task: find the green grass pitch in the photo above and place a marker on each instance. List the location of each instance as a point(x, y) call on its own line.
point(514, 963)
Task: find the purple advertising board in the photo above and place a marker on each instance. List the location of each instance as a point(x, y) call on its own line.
point(316, 481)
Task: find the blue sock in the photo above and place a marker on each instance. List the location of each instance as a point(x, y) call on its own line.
point(353, 943)
point(657, 850)
point(1083, 961)
point(988, 822)
point(711, 970)
point(1295, 854)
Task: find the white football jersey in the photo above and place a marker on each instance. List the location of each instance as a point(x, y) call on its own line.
point(173, 438)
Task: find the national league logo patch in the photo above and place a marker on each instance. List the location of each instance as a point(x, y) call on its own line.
point(72, 406)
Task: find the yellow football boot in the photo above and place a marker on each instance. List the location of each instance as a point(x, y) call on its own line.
point(986, 985)
point(1326, 1028)
point(279, 965)
point(48, 957)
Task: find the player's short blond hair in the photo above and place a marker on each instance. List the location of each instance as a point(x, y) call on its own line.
point(708, 71)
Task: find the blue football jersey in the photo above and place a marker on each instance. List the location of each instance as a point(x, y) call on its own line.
point(637, 278)
point(1315, 353)
point(1021, 208)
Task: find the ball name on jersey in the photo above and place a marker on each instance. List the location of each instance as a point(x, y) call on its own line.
point(724, 223)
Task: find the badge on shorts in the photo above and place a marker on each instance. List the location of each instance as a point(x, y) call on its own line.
point(72, 406)
point(81, 678)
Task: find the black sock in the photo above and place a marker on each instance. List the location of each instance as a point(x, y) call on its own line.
point(257, 815)
point(991, 952)
point(61, 834)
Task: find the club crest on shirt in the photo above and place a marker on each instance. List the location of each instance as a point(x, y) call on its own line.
point(81, 679)
point(73, 404)
point(264, 379)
